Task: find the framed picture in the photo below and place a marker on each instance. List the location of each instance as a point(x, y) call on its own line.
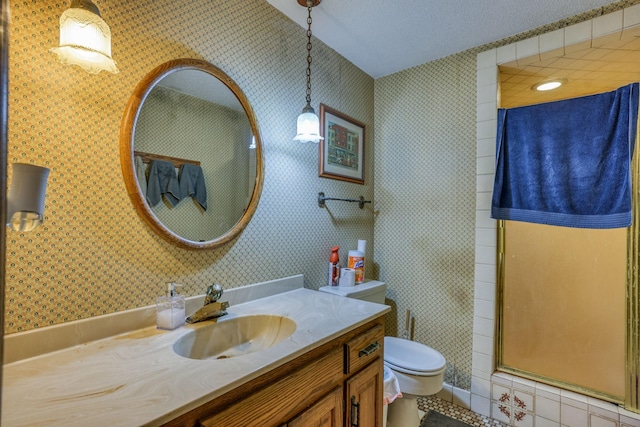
point(342, 150)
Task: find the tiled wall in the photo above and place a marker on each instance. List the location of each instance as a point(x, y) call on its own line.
point(94, 255)
point(510, 399)
point(521, 402)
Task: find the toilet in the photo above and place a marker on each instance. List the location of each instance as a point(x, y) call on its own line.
point(419, 368)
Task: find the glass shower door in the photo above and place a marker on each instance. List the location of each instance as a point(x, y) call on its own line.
point(562, 312)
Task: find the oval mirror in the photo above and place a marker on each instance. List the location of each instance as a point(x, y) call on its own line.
point(191, 154)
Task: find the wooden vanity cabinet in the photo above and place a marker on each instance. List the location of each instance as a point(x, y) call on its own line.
point(334, 385)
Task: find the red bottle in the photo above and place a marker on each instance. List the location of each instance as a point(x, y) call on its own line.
point(334, 266)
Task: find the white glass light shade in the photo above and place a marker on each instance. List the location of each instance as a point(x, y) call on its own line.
point(25, 199)
point(85, 40)
point(308, 127)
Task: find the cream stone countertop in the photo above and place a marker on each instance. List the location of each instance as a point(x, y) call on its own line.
point(136, 379)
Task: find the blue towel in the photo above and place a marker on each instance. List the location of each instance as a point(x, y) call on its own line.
point(192, 184)
point(162, 181)
point(567, 163)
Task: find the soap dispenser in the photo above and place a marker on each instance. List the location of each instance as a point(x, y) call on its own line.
point(170, 309)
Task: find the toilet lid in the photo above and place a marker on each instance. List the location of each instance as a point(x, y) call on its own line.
point(397, 369)
point(408, 356)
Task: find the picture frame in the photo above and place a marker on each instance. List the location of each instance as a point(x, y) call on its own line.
point(342, 149)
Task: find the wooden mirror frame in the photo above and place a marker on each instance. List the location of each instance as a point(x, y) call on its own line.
point(127, 131)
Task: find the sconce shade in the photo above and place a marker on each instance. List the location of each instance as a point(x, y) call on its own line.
point(85, 39)
point(308, 126)
point(25, 200)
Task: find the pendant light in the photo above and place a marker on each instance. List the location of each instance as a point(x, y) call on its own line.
point(85, 39)
point(308, 122)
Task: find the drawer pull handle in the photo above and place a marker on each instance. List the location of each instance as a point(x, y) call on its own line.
point(355, 412)
point(370, 349)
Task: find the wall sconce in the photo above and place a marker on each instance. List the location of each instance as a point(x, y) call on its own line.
point(25, 199)
point(85, 39)
point(308, 123)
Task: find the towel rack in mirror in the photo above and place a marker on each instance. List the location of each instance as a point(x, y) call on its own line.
point(177, 162)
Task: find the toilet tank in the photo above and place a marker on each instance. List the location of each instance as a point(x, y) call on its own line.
point(370, 290)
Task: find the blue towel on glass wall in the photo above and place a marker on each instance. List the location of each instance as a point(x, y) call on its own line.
point(568, 162)
point(162, 181)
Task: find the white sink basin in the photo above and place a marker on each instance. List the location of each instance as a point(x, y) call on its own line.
point(231, 337)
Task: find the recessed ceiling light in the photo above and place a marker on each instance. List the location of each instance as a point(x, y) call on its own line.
point(548, 85)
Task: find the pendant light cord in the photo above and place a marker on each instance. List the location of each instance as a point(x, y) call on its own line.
point(309, 6)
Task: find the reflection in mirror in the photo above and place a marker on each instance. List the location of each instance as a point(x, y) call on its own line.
point(177, 122)
point(191, 154)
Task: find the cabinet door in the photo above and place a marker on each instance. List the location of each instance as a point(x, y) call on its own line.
point(327, 412)
point(363, 397)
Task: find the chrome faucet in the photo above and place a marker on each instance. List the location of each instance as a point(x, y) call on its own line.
point(212, 307)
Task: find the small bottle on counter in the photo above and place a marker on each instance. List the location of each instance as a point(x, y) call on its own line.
point(170, 309)
point(334, 266)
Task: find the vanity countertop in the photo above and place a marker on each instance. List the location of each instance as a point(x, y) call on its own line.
point(135, 378)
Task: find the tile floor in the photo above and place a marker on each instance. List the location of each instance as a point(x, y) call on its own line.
point(457, 412)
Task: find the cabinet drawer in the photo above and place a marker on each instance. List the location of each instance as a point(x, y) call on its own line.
point(363, 349)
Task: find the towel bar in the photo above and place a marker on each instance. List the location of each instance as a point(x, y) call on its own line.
point(360, 201)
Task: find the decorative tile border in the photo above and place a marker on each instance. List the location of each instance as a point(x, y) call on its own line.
point(519, 402)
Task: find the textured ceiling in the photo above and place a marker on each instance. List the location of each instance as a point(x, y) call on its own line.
point(382, 37)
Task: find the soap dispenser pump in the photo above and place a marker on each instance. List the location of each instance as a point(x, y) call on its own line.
point(170, 309)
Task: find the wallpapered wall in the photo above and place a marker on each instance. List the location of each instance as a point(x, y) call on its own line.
point(94, 255)
point(425, 191)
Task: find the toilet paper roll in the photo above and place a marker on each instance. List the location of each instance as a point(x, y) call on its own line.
point(347, 277)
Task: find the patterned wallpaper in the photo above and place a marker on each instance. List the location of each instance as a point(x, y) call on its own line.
point(94, 255)
point(425, 192)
